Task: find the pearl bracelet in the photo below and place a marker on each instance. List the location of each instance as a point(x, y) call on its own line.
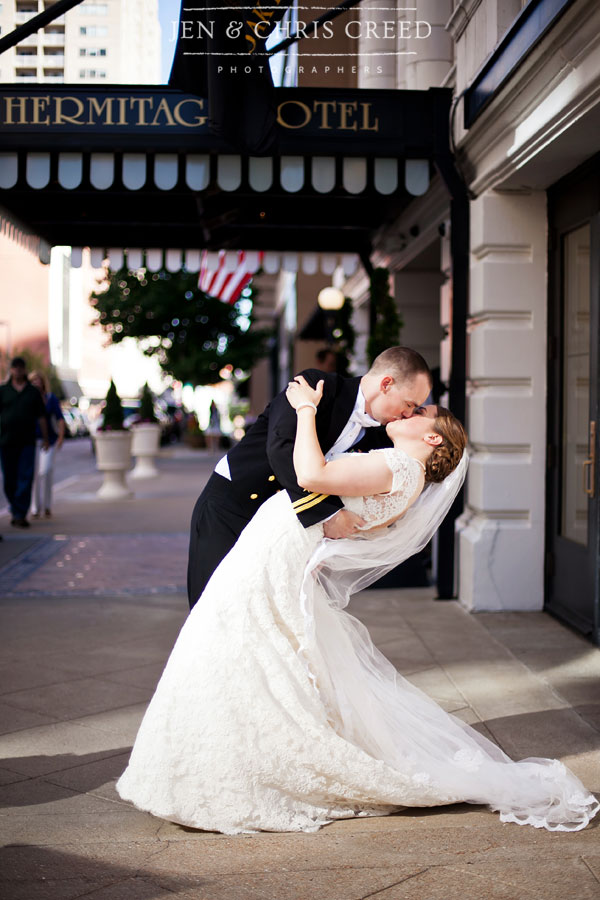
point(308, 403)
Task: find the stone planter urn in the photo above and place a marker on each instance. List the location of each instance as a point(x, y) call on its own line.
point(113, 458)
point(144, 446)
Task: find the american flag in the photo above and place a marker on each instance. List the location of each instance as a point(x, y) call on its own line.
point(225, 274)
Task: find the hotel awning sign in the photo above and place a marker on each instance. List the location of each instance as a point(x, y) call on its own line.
point(313, 120)
point(82, 166)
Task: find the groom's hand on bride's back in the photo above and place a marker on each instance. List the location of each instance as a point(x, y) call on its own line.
point(343, 524)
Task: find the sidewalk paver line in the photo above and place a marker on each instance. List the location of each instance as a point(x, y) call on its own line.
point(98, 592)
point(104, 676)
point(395, 884)
point(46, 776)
point(511, 657)
point(69, 718)
point(74, 791)
point(585, 862)
point(101, 564)
point(27, 562)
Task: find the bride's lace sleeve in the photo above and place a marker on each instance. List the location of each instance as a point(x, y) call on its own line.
point(405, 471)
point(380, 509)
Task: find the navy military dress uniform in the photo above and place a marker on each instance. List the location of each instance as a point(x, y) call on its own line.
point(262, 464)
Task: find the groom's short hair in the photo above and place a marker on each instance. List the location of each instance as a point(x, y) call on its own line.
point(402, 363)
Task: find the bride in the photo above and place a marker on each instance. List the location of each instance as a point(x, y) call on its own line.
point(275, 712)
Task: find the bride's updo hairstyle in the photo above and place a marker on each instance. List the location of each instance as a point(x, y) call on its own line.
point(447, 455)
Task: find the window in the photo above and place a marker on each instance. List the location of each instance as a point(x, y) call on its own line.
point(92, 73)
point(93, 30)
point(92, 51)
point(93, 9)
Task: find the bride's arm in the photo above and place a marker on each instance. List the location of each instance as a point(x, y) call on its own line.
point(354, 476)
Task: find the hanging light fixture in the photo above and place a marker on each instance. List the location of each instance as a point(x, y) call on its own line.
point(331, 298)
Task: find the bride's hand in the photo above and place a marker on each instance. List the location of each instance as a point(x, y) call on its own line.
point(299, 391)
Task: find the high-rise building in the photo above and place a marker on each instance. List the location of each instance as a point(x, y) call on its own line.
point(46, 308)
point(111, 42)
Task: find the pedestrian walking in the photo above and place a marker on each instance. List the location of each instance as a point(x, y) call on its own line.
point(44, 459)
point(213, 433)
point(21, 407)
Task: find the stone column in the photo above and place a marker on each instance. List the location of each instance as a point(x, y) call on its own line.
point(417, 294)
point(377, 71)
point(501, 532)
point(433, 54)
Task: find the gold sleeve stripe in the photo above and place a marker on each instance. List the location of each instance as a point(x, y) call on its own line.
point(318, 499)
point(303, 500)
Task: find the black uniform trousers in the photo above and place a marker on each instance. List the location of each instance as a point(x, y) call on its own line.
point(217, 522)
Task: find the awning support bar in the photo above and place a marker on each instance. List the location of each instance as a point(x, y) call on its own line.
point(37, 22)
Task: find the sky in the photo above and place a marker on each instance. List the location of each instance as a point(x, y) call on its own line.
point(168, 11)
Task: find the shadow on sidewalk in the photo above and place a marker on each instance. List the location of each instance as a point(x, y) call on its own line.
point(39, 788)
point(59, 874)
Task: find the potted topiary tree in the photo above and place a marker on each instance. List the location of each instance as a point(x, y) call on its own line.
point(113, 449)
point(146, 437)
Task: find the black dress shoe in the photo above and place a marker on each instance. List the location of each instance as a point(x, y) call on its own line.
point(20, 523)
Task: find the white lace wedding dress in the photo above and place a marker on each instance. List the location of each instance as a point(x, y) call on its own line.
point(274, 715)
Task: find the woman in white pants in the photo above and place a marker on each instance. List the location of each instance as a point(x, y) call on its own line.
point(44, 461)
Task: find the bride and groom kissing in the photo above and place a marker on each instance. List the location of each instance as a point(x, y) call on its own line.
point(275, 711)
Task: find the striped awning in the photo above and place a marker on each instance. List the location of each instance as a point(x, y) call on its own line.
point(101, 171)
point(17, 232)
point(174, 259)
point(119, 164)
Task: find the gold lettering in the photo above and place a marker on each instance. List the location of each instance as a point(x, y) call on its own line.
point(61, 118)
point(324, 104)
point(366, 109)
point(163, 106)
point(99, 108)
point(39, 106)
point(198, 120)
point(122, 110)
point(141, 107)
point(303, 106)
point(345, 110)
point(10, 109)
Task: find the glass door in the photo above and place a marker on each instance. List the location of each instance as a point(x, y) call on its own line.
point(572, 558)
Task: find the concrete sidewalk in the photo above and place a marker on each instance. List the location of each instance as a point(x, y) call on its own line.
point(89, 612)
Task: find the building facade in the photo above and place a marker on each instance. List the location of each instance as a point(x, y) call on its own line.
point(526, 138)
point(110, 42)
point(113, 41)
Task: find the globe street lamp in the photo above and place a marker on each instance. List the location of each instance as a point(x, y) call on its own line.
point(331, 298)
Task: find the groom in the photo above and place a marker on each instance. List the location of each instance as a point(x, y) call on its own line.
point(350, 415)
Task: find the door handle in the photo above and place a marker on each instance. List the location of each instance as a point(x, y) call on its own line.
point(589, 466)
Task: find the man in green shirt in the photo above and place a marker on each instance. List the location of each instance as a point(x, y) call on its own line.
point(21, 406)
